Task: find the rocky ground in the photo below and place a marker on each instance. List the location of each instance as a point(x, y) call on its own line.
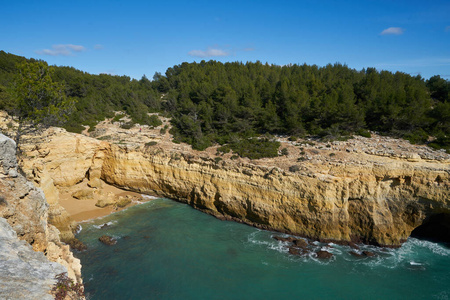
point(303, 154)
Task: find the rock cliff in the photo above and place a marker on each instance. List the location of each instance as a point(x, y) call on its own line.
point(25, 209)
point(332, 192)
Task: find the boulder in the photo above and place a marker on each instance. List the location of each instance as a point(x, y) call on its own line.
point(324, 254)
point(83, 194)
point(107, 240)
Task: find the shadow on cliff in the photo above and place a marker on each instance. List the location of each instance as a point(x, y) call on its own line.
point(435, 228)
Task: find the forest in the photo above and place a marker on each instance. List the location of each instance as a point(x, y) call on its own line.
point(232, 103)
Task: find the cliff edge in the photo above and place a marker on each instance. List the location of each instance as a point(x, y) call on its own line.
point(24, 208)
point(373, 190)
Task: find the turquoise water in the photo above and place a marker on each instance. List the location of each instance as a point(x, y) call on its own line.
point(167, 250)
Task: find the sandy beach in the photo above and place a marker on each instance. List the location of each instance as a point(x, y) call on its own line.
point(84, 210)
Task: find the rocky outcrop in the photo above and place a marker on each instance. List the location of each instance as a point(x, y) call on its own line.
point(347, 196)
point(379, 202)
point(25, 209)
point(24, 273)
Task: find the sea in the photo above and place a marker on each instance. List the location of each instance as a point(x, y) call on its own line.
point(168, 250)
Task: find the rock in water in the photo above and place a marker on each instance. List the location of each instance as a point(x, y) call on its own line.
point(324, 254)
point(107, 240)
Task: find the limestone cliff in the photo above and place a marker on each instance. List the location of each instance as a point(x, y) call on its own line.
point(334, 192)
point(25, 209)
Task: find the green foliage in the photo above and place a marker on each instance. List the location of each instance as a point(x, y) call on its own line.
point(213, 102)
point(284, 152)
point(40, 100)
point(127, 125)
point(151, 143)
point(154, 121)
point(255, 148)
point(364, 133)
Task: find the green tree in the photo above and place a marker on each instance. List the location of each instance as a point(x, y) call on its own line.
point(40, 102)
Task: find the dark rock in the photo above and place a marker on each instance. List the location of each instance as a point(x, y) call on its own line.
point(300, 243)
point(355, 254)
point(104, 226)
point(353, 245)
point(368, 253)
point(76, 244)
point(107, 240)
point(324, 254)
point(127, 237)
point(296, 251)
point(146, 237)
point(284, 239)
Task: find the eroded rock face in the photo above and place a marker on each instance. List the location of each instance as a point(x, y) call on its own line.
point(25, 209)
point(24, 273)
point(355, 196)
point(379, 202)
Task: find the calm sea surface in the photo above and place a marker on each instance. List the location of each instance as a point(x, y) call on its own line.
point(168, 250)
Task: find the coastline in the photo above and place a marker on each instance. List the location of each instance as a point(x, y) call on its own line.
point(85, 210)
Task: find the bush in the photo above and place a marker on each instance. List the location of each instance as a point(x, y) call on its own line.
point(217, 159)
point(254, 148)
point(294, 168)
point(152, 143)
point(364, 133)
point(127, 125)
point(284, 152)
point(66, 287)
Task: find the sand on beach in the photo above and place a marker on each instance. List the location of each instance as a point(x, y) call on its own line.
point(84, 210)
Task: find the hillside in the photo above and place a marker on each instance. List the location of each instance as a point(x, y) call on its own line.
point(231, 103)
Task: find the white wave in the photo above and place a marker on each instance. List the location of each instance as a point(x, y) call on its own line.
point(413, 263)
point(434, 247)
point(107, 223)
point(79, 228)
point(150, 197)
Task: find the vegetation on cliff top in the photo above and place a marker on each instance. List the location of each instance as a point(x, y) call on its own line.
point(230, 103)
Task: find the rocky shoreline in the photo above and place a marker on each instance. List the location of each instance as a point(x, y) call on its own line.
point(365, 190)
point(371, 190)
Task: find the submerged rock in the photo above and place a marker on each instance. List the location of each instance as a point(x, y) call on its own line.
point(107, 240)
point(76, 244)
point(324, 254)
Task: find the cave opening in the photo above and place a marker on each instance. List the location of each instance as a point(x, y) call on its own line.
point(435, 228)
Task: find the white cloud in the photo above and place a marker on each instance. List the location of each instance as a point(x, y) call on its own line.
point(210, 52)
point(393, 31)
point(62, 49)
point(98, 47)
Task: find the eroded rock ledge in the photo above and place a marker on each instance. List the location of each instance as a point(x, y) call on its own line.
point(369, 196)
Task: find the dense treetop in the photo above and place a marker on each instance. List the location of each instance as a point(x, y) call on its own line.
point(227, 103)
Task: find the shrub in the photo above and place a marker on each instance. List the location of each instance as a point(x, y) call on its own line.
point(254, 148)
point(152, 143)
point(217, 159)
point(294, 168)
point(364, 133)
point(66, 287)
point(284, 152)
point(127, 125)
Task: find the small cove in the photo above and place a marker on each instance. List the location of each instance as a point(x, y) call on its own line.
point(168, 250)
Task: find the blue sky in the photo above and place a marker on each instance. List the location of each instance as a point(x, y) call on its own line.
point(143, 37)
